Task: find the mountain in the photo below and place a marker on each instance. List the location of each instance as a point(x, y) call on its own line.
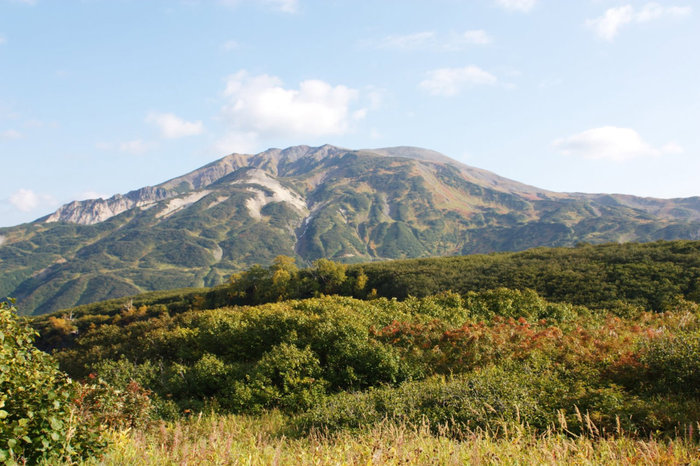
point(309, 203)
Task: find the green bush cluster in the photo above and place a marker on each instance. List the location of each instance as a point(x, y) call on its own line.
point(38, 419)
point(448, 357)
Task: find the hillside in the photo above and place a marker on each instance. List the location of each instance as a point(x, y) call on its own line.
point(308, 203)
point(496, 358)
point(623, 279)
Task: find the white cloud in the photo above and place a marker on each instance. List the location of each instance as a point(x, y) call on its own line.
point(652, 11)
point(408, 41)
point(10, 134)
point(27, 200)
point(173, 127)
point(287, 6)
point(608, 26)
point(611, 143)
point(262, 105)
point(517, 5)
point(451, 81)
point(431, 40)
point(2, 40)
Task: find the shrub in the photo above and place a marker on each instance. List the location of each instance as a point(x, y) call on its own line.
point(38, 421)
point(287, 377)
point(481, 399)
point(99, 403)
point(672, 363)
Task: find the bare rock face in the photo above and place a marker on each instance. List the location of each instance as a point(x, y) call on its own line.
point(98, 210)
point(90, 212)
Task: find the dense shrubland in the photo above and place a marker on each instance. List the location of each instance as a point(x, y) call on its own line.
point(621, 278)
point(476, 361)
point(608, 346)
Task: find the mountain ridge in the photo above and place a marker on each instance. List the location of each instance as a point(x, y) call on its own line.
point(308, 203)
point(103, 209)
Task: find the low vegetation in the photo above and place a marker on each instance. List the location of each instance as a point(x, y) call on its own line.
point(273, 360)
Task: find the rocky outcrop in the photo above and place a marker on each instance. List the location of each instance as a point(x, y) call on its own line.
point(94, 211)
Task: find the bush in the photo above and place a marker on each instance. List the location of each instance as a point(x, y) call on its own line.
point(99, 403)
point(38, 419)
point(480, 400)
point(672, 363)
point(286, 377)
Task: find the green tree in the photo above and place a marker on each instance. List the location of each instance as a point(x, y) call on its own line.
point(330, 275)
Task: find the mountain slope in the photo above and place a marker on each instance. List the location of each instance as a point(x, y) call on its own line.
point(306, 202)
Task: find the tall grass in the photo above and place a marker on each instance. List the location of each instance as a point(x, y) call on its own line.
point(266, 440)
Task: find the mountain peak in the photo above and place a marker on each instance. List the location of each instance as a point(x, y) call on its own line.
point(309, 203)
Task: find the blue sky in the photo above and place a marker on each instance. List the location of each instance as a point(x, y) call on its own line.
point(99, 97)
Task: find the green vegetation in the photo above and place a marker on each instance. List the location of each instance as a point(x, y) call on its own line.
point(622, 278)
point(38, 420)
point(589, 353)
point(349, 207)
point(336, 363)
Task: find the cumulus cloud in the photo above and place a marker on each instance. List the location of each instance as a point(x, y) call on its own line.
point(609, 24)
point(173, 127)
point(10, 134)
point(261, 106)
point(517, 5)
point(287, 6)
point(451, 81)
point(431, 40)
point(611, 143)
point(27, 200)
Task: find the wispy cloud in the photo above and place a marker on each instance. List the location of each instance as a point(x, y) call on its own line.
point(2, 40)
point(261, 106)
point(612, 143)
point(286, 6)
point(173, 127)
point(451, 81)
point(431, 40)
point(10, 134)
point(609, 24)
point(516, 5)
point(407, 41)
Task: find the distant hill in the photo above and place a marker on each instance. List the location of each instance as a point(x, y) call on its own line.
point(308, 203)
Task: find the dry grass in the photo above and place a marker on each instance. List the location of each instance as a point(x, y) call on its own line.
point(233, 440)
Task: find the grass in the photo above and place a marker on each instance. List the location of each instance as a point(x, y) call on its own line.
point(247, 440)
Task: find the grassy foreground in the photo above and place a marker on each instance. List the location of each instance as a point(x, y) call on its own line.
point(240, 439)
